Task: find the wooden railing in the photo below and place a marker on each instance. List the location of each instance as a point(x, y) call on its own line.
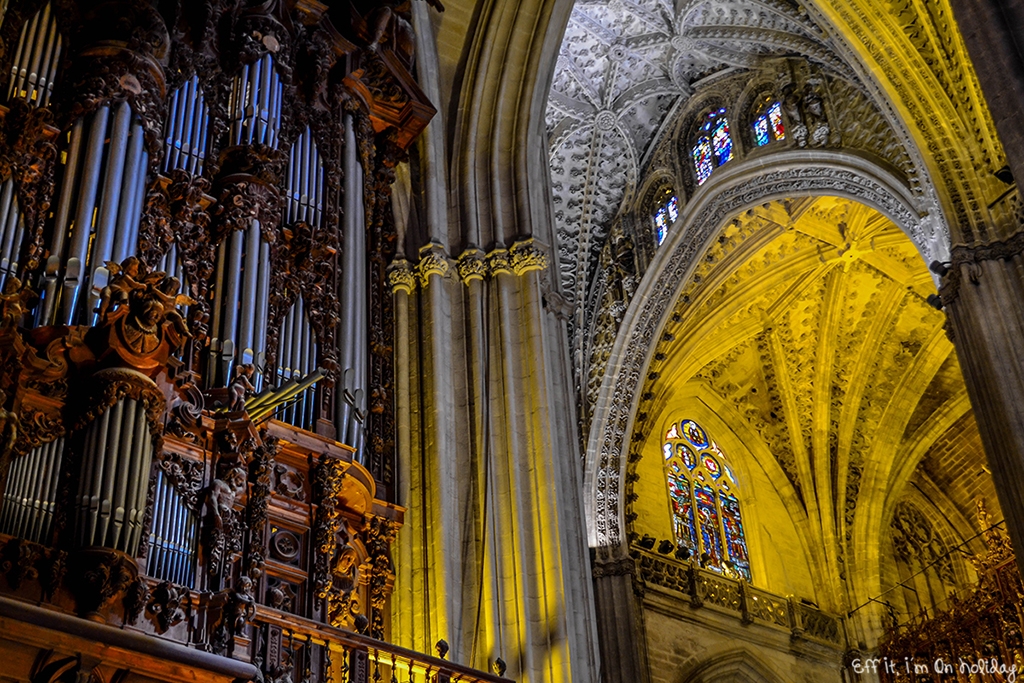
point(356, 658)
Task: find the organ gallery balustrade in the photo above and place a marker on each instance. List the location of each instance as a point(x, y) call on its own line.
point(196, 423)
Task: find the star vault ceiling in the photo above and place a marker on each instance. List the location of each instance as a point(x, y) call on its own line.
point(623, 66)
point(810, 319)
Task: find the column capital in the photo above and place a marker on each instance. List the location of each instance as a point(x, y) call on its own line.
point(433, 261)
point(498, 261)
point(964, 260)
point(401, 277)
point(472, 265)
point(527, 256)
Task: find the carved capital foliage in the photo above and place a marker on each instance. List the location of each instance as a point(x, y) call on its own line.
point(527, 257)
point(472, 265)
point(185, 475)
point(433, 261)
point(498, 262)
point(243, 199)
point(401, 277)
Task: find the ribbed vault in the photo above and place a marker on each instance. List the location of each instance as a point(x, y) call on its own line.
point(809, 318)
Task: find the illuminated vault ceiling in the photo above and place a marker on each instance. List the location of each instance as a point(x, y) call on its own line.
point(809, 318)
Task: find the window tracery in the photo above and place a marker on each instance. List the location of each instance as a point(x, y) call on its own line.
point(702, 489)
point(714, 145)
point(768, 124)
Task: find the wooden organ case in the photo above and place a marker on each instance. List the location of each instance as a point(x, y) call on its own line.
point(196, 426)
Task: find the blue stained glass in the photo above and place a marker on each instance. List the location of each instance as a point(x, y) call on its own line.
point(707, 519)
point(735, 540)
point(673, 209)
point(661, 224)
point(702, 160)
point(722, 141)
point(682, 511)
point(705, 511)
point(761, 131)
point(775, 116)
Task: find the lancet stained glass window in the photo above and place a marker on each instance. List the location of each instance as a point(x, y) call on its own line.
point(768, 126)
point(666, 214)
point(714, 145)
point(705, 510)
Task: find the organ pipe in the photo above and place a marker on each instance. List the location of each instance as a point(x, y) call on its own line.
point(36, 59)
point(113, 478)
point(98, 211)
point(173, 536)
point(27, 510)
point(242, 280)
point(185, 129)
point(12, 231)
point(353, 332)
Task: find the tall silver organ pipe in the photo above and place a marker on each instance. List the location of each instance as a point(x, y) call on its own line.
point(12, 231)
point(97, 214)
point(297, 351)
point(185, 131)
point(113, 480)
point(353, 336)
point(255, 104)
point(242, 272)
point(31, 492)
point(297, 359)
point(173, 536)
point(36, 59)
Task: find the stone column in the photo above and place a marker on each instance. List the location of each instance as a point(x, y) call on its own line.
point(620, 615)
point(983, 296)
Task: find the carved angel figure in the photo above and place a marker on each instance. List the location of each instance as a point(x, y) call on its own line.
point(220, 497)
point(8, 429)
point(13, 303)
point(241, 386)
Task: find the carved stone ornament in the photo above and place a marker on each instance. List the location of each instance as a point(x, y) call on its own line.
point(498, 262)
point(472, 265)
point(526, 257)
point(401, 277)
point(432, 262)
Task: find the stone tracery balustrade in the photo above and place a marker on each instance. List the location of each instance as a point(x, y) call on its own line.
point(706, 588)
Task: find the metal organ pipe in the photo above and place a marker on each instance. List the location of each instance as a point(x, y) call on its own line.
point(353, 336)
point(97, 213)
point(172, 540)
point(12, 231)
point(113, 479)
point(296, 351)
point(185, 130)
point(242, 284)
point(36, 59)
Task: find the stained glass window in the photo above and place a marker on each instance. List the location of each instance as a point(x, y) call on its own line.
point(768, 125)
point(702, 491)
point(714, 145)
point(666, 214)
